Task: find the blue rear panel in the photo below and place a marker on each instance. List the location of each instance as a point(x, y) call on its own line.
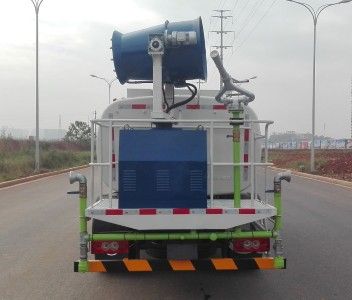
point(162, 168)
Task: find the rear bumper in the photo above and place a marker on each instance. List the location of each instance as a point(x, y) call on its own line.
point(214, 264)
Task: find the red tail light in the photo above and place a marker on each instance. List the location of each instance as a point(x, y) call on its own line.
point(251, 245)
point(109, 247)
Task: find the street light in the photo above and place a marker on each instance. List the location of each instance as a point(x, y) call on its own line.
point(109, 83)
point(36, 4)
point(315, 14)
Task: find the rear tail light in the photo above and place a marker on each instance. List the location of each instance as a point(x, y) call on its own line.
point(251, 245)
point(109, 247)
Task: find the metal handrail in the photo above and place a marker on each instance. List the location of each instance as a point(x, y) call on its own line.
point(110, 124)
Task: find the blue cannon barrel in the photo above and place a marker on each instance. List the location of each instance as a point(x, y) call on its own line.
point(132, 61)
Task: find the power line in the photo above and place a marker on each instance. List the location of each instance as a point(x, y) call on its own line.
point(237, 17)
point(256, 25)
point(234, 6)
point(250, 16)
point(223, 4)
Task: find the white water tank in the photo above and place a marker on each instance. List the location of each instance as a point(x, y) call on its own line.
point(138, 105)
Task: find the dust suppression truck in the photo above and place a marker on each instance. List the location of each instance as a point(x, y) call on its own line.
point(178, 177)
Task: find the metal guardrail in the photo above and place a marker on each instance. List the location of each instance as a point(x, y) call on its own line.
point(211, 125)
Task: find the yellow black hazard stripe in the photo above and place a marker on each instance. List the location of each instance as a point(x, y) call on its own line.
point(214, 264)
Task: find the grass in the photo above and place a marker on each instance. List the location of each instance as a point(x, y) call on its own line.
point(17, 157)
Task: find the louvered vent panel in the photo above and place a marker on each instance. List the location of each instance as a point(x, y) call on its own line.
point(196, 180)
point(129, 180)
point(162, 180)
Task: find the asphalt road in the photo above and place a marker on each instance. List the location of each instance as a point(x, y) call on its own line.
point(39, 242)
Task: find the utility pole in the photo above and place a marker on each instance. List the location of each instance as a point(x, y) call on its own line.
point(59, 131)
point(36, 4)
point(109, 83)
point(222, 16)
point(351, 107)
point(315, 13)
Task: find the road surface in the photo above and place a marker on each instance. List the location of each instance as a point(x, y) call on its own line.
point(39, 242)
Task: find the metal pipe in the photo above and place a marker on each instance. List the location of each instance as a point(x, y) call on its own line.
point(251, 155)
point(193, 235)
point(110, 164)
point(277, 198)
point(77, 177)
point(229, 84)
point(92, 147)
point(211, 149)
point(179, 121)
point(282, 176)
point(82, 180)
point(236, 146)
point(101, 167)
point(278, 217)
point(99, 164)
point(244, 164)
point(266, 161)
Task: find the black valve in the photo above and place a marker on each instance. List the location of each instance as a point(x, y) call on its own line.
point(73, 193)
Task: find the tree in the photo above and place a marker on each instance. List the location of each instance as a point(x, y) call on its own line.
point(78, 132)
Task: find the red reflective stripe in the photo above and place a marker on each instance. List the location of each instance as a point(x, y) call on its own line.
point(147, 211)
point(139, 106)
point(113, 160)
point(114, 211)
point(180, 211)
point(246, 135)
point(193, 106)
point(219, 106)
point(245, 157)
point(214, 211)
point(246, 211)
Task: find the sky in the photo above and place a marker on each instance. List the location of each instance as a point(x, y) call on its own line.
point(273, 40)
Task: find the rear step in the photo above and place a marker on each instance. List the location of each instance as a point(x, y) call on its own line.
point(214, 264)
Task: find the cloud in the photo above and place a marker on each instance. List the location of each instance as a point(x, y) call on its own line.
point(75, 41)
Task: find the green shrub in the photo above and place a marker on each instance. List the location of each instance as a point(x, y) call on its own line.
point(17, 157)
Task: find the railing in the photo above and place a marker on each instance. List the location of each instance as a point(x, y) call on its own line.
point(211, 125)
